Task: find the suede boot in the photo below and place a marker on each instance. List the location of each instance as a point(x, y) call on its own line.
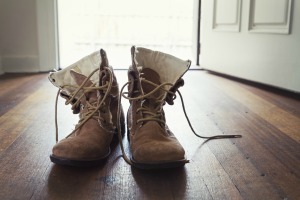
point(95, 96)
point(153, 80)
point(153, 77)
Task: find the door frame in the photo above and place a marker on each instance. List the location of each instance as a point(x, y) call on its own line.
point(198, 34)
point(47, 28)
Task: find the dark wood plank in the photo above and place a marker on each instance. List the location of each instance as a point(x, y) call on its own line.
point(261, 165)
point(243, 174)
point(287, 103)
point(260, 139)
point(281, 119)
point(287, 100)
point(14, 88)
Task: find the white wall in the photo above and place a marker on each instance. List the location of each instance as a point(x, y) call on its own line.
point(1, 70)
point(24, 47)
point(259, 55)
point(47, 34)
point(19, 36)
point(1, 20)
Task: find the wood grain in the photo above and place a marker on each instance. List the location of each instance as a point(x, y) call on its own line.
point(263, 164)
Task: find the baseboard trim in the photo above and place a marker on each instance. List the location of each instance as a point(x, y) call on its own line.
point(275, 89)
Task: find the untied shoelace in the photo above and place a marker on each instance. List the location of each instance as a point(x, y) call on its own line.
point(156, 116)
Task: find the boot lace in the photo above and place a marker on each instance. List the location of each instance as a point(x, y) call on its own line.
point(153, 114)
point(91, 108)
point(158, 115)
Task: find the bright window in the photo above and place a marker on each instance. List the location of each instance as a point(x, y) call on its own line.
point(116, 25)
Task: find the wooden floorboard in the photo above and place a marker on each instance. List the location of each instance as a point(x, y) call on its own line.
point(17, 87)
point(263, 164)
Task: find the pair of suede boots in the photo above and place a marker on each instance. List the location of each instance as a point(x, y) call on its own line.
point(91, 87)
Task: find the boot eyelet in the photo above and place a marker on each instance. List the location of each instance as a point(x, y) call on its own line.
point(81, 106)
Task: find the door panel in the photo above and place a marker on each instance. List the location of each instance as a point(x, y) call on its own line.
point(270, 16)
point(258, 40)
point(226, 15)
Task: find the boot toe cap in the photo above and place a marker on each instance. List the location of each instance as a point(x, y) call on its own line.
point(78, 150)
point(157, 152)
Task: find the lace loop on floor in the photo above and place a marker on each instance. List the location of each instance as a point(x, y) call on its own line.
point(157, 116)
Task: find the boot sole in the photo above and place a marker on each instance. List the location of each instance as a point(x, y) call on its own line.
point(160, 165)
point(88, 162)
point(78, 163)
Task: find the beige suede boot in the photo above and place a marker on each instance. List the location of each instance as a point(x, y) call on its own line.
point(154, 78)
point(96, 100)
point(151, 77)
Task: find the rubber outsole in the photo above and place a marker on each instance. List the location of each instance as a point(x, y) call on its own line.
point(78, 163)
point(159, 165)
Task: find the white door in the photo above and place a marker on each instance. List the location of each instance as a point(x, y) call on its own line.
point(258, 40)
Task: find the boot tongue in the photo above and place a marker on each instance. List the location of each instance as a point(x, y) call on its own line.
point(169, 68)
point(103, 79)
point(79, 79)
point(153, 77)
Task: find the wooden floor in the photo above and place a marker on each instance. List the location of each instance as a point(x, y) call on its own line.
point(263, 164)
